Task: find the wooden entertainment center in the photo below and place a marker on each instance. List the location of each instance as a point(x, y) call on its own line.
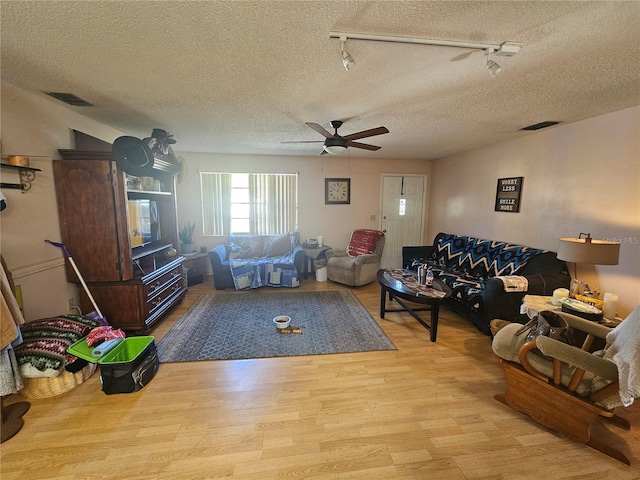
point(132, 286)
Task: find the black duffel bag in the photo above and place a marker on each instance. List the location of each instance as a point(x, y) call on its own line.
point(127, 377)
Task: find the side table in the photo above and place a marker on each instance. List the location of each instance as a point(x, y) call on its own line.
point(195, 267)
point(313, 255)
point(534, 304)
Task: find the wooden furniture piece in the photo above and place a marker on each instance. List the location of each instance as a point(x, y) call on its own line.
point(398, 289)
point(195, 266)
point(562, 387)
point(312, 255)
point(133, 287)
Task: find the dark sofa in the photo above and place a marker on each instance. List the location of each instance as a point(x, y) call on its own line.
point(257, 260)
point(479, 272)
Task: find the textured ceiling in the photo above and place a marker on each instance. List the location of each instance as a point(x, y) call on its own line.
point(244, 76)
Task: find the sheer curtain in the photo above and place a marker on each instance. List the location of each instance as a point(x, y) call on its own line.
point(216, 203)
point(273, 203)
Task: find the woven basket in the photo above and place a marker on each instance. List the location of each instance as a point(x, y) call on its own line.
point(35, 388)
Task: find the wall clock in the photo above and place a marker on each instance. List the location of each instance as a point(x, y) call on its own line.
point(337, 191)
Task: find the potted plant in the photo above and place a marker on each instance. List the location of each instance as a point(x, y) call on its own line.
point(186, 237)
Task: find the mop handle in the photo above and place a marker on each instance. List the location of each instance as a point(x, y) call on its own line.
point(75, 268)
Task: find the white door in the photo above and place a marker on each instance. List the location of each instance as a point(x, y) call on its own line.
point(403, 200)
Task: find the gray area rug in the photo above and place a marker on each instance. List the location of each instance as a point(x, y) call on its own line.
point(240, 326)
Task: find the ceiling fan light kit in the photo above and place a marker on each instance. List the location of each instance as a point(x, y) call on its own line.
point(504, 49)
point(335, 144)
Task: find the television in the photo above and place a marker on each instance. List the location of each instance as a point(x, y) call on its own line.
point(144, 222)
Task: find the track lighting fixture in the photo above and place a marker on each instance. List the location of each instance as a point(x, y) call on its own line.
point(505, 49)
point(347, 59)
point(493, 68)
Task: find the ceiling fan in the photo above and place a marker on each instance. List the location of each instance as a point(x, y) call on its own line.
point(336, 144)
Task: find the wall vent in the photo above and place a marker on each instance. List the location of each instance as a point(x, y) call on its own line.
point(70, 99)
point(540, 125)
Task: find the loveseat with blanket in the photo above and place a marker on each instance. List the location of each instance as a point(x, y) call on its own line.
point(488, 278)
point(252, 261)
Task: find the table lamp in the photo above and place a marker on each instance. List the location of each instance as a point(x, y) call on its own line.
point(587, 250)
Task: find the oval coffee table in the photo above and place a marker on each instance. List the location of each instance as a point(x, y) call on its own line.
point(402, 285)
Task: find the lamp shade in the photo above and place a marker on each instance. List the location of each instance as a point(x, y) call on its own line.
point(597, 252)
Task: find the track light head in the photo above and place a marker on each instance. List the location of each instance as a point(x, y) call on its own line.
point(347, 59)
point(492, 67)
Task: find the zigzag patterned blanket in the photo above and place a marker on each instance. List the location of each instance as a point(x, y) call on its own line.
point(466, 263)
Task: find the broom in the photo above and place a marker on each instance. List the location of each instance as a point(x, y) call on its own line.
point(84, 285)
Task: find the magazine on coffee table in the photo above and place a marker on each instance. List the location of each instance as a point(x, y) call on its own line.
point(410, 280)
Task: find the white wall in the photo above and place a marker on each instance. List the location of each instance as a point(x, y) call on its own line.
point(37, 126)
point(580, 177)
point(335, 222)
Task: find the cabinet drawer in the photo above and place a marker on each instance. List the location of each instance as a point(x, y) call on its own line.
point(158, 284)
point(164, 289)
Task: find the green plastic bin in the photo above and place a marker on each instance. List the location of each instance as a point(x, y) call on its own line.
point(126, 351)
point(127, 367)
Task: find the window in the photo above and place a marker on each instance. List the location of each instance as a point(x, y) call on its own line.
point(402, 209)
point(240, 206)
point(254, 203)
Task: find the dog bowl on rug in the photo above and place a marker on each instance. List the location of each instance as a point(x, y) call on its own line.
point(282, 321)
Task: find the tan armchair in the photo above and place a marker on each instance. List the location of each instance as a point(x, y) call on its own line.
point(567, 388)
point(360, 262)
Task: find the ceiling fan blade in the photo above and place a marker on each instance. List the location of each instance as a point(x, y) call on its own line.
point(367, 133)
point(304, 141)
point(365, 146)
point(320, 129)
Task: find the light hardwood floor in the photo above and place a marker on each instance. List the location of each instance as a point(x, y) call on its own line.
point(425, 411)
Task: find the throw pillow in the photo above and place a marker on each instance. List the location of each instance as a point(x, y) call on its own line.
point(363, 242)
point(277, 245)
point(251, 245)
point(233, 250)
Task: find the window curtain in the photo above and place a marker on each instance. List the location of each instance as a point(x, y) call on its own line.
point(216, 203)
point(273, 203)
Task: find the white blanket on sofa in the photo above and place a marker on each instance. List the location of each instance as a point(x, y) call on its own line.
point(514, 283)
point(623, 349)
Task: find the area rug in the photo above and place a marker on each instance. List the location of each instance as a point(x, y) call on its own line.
point(229, 326)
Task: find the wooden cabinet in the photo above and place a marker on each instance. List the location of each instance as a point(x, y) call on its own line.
point(132, 286)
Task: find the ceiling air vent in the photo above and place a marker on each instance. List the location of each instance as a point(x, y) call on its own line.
point(70, 99)
point(540, 125)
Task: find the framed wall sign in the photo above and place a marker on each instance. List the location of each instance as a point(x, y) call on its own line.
point(508, 194)
point(337, 191)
